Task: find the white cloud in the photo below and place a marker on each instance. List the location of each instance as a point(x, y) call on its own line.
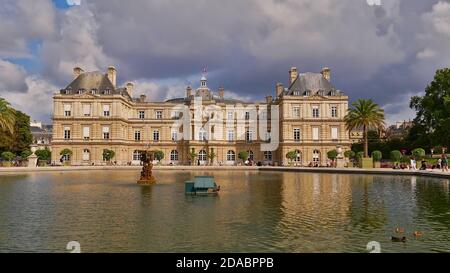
point(12, 77)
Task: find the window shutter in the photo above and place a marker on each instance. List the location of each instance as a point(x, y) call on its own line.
point(315, 133)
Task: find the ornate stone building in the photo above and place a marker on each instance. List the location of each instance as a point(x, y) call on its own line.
point(92, 114)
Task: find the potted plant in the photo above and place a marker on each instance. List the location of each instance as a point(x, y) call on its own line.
point(7, 156)
point(377, 156)
point(396, 156)
point(351, 156)
point(211, 157)
point(159, 155)
point(291, 155)
point(243, 155)
point(66, 154)
point(332, 156)
point(108, 155)
point(192, 156)
point(44, 156)
point(418, 153)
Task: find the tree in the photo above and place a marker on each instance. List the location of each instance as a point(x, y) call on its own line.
point(108, 155)
point(25, 154)
point(44, 154)
point(349, 154)
point(66, 153)
point(211, 156)
point(377, 156)
point(8, 156)
point(159, 155)
point(396, 156)
point(243, 155)
point(432, 122)
point(418, 153)
point(332, 154)
point(291, 155)
point(7, 117)
point(367, 115)
point(192, 156)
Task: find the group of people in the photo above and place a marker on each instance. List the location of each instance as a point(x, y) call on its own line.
point(442, 164)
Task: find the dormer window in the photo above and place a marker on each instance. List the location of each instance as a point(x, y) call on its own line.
point(308, 93)
point(107, 91)
point(93, 91)
point(80, 91)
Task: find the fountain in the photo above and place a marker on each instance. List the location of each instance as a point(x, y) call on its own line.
point(147, 177)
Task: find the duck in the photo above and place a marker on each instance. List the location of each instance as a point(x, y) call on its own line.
point(399, 230)
point(417, 233)
point(398, 239)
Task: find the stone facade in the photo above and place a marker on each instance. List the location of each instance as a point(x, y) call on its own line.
point(92, 114)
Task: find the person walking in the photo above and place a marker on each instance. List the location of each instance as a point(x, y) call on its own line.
point(439, 164)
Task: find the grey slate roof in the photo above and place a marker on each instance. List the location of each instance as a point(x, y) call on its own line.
point(313, 82)
point(216, 99)
point(96, 80)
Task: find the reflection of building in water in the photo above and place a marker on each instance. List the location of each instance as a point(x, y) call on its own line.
point(314, 207)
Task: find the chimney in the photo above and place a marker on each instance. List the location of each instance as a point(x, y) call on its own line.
point(188, 91)
point(130, 88)
point(269, 99)
point(112, 75)
point(77, 71)
point(143, 98)
point(326, 72)
point(221, 92)
point(293, 74)
point(279, 89)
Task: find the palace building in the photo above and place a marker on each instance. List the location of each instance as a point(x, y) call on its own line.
point(93, 114)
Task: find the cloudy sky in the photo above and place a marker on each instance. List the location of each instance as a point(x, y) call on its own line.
point(388, 52)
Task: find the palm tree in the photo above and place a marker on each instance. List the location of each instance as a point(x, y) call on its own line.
point(7, 116)
point(367, 115)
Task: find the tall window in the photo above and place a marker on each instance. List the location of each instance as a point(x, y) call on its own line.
point(86, 110)
point(230, 115)
point(298, 156)
point(334, 111)
point(202, 134)
point(106, 110)
point(296, 111)
point(202, 155)
point(66, 133)
point(174, 135)
point(86, 155)
point(231, 155)
point(136, 155)
point(316, 157)
point(249, 136)
point(155, 135)
point(141, 114)
point(137, 135)
point(296, 134)
point(67, 110)
point(315, 133)
point(86, 133)
point(105, 132)
point(250, 155)
point(334, 133)
point(315, 111)
point(230, 135)
point(159, 114)
point(174, 155)
point(268, 155)
point(247, 115)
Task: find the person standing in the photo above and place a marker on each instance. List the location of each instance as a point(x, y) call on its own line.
point(444, 163)
point(413, 164)
point(439, 163)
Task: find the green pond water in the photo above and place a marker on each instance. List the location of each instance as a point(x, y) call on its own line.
point(105, 211)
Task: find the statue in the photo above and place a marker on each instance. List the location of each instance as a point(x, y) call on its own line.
point(340, 159)
point(146, 174)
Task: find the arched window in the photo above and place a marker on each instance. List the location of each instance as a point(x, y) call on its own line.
point(86, 155)
point(316, 157)
point(250, 155)
point(202, 155)
point(231, 155)
point(136, 155)
point(268, 155)
point(174, 155)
